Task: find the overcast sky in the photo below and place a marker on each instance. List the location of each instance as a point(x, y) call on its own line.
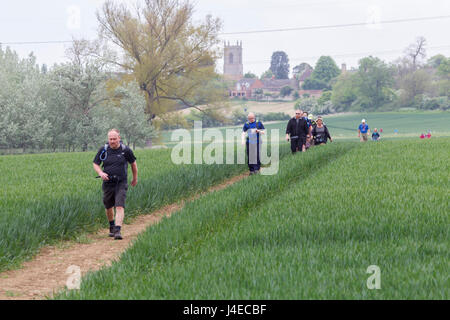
point(56, 20)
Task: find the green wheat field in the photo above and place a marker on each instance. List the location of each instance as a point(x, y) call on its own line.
point(308, 232)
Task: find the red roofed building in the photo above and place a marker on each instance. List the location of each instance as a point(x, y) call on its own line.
point(245, 87)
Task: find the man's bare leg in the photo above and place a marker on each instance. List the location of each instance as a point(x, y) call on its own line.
point(120, 214)
point(110, 214)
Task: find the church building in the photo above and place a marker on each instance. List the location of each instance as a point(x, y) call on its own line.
point(233, 71)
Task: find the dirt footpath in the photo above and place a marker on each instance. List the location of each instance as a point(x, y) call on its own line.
point(46, 273)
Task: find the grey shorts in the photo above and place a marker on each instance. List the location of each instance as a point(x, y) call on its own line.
point(364, 136)
point(114, 194)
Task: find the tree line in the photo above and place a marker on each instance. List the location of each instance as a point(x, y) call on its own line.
point(411, 81)
point(66, 107)
point(164, 61)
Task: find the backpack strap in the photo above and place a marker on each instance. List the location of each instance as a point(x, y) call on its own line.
point(104, 154)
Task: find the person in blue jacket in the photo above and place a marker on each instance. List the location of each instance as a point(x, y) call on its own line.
point(253, 129)
point(363, 131)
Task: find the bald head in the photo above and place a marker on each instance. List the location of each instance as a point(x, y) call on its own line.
point(114, 138)
point(251, 117)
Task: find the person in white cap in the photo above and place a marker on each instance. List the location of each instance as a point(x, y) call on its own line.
point(363, 131)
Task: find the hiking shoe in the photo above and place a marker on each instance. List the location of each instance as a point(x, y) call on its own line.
point(117, 235)
point(112, 230)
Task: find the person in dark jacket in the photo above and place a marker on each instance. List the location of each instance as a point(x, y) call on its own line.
point(297, 131)
point(320, 133)
point(375, 135)
point(114, 157)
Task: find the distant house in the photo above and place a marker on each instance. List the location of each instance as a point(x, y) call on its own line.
point(305, 75)
point(275, 85)
point(245, 87)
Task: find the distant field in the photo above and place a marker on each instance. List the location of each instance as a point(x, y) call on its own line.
point(309, 232)
point(258, 107)
point(408, 124)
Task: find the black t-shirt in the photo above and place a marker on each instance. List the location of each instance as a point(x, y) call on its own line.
point(116, 162)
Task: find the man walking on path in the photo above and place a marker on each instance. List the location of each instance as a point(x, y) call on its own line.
point(297, 131)
point(115, 158)
point(363, 131)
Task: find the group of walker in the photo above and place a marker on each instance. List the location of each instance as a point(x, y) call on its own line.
point(302, 131)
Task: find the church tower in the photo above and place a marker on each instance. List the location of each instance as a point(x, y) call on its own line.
point(233, 68)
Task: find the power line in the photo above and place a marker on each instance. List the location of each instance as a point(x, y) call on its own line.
point(336, 25)
point(36, 42)
point(265, 31)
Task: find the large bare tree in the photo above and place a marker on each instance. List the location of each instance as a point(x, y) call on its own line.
point(171, 58)
point(416, 51)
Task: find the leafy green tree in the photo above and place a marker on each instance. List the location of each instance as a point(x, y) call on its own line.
point(279, 65)
point(298, 70)
point(325, 69)
point(374, 82)
point(435, 61)
point(344, 92)
point(267, 74)
point(444, 68)
point(250, 75)
point(23, 108)
point(326, 96)
point(314, 84)
point(286, 91)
